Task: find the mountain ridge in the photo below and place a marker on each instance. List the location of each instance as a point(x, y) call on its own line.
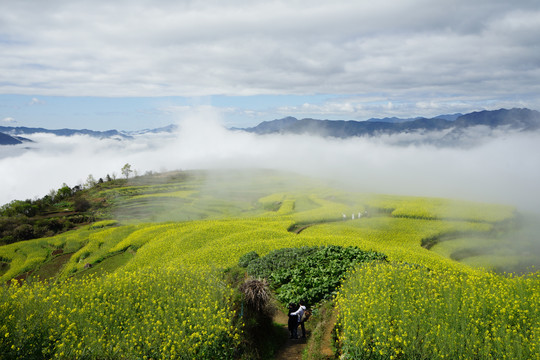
point(6, 139)
point(516, 119)
point(453, 128)
point(23, 130)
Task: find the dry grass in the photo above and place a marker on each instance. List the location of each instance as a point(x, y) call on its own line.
point(256, 294)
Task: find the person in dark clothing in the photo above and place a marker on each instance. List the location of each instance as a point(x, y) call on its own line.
point(293, 322)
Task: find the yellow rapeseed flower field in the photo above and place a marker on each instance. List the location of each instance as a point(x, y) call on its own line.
point(414, 312)
point(170, 302)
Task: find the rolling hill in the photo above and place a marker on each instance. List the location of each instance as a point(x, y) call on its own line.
point(159, 276)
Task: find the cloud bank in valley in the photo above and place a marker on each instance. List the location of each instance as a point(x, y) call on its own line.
point(503, 169)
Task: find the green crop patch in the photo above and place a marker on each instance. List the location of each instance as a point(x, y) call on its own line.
point(145, 280)
point(310, 274)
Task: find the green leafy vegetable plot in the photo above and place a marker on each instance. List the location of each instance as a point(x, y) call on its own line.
point(308, 273)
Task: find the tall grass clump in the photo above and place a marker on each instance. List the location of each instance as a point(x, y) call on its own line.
point(258, 308)
point(411, 312)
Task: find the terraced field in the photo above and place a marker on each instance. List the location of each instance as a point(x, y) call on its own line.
point(149, 284)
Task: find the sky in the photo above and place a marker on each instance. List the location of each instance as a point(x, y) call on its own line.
point(137, 64)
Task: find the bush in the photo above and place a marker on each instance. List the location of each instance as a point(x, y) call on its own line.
point(246, 259)
point(308, 273)
point(24, 232)
point(81, 204)
point(278, 259)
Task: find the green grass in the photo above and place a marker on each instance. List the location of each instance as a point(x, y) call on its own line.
point(172, 237)
point(108, 265)
point(50, 269)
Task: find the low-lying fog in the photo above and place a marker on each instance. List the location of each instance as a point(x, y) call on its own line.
point(501, 169)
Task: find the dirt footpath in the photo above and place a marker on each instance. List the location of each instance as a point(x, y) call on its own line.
point(292, 349)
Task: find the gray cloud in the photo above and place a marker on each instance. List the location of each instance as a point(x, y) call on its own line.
point(413, 49)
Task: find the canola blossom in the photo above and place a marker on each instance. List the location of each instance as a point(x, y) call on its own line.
point(162, 313)
point(168, 300)
point(413, 312)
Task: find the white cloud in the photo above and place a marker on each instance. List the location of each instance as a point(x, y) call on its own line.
point(363, 108)
point(501, 169)
point(36, 101)
point(9, 119)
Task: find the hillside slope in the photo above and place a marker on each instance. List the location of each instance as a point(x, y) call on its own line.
point(163, 288)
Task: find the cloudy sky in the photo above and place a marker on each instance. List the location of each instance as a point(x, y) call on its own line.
point(137, 64)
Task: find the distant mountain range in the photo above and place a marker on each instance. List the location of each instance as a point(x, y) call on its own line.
point(515, 119)
point(442, 130)
point(450, 117)
point(9, 135)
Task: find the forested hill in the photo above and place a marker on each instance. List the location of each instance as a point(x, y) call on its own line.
point(514, 119)
point(13, 131)
point(6, 139)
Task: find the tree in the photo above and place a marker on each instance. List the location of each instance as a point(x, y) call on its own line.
point(18, 207)
point(126, 170)
point(63, 193)
point(52, 194)
point(90, 181)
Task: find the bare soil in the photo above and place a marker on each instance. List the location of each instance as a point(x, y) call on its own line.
point(298, 229)
point(57, 252)
point(52, 268)
point(20, 278)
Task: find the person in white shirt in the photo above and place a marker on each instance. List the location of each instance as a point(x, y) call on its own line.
point(299, 313)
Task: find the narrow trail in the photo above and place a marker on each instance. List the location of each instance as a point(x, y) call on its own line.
point(292, 349)
point(326, 351)
point(297, 229)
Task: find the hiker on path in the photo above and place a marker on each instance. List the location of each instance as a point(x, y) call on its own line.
point(293, 322)
point(299, 313)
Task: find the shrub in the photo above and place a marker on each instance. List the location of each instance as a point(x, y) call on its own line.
point(81, 204)
point(24, 232)
point(308, 273)
point(246, 259)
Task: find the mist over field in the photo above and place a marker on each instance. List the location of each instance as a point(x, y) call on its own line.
point(363, 158)
point(498, 168)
